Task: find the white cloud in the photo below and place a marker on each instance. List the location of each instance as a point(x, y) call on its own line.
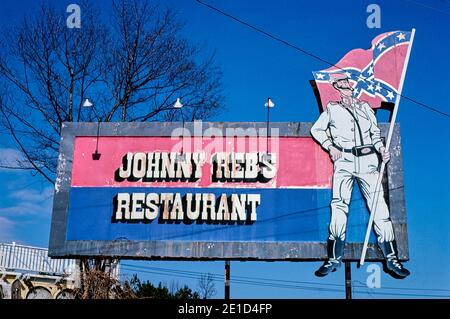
point(25, 209)
point(29, 202)
point(10, 157)
point(6, 230)
point(32, 195)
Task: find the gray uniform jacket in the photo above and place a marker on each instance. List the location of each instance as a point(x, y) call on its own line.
point(336, 126)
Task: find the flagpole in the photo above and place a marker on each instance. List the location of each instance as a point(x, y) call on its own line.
point(388, 144)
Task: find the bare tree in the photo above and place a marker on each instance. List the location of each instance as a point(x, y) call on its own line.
point(98, 281)
point(133, 66)
point(206, 286)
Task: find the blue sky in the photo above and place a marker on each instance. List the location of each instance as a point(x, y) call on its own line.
point(255, 67)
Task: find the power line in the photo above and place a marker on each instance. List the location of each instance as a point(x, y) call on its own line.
point(279, 282)
point(315, 56)
point(266, 33)
point(427, 6)
point(275, 285)
point(426, 106)
point(220, 276)
point(237, 281)
point(171, 270)
point(260, 282)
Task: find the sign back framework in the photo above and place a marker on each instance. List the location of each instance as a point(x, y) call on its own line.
point(292, 215)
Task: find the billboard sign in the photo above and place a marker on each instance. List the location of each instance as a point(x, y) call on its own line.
point(204, 191)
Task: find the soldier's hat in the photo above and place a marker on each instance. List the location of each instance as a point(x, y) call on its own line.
point(338, 76)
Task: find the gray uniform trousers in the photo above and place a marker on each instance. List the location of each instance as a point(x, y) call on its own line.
point(364, 170)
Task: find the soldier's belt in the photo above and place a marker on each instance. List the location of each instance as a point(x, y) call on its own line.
point(362, 150)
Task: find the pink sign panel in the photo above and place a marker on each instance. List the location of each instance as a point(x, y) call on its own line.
point(300, 162)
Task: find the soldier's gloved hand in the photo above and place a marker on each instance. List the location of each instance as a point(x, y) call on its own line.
point(335, 154)
point(385, 156)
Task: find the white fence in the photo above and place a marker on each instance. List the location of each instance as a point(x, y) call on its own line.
point(19, 258)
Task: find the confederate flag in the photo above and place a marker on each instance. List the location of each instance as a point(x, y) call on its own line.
point(374, 73)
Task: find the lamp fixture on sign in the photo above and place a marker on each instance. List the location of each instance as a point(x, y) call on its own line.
point(87, 103)
point(178, 105)
point(96, 155)
point(269, 104)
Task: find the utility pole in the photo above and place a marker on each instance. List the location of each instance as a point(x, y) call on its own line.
point(227, 279)
point(348, 280)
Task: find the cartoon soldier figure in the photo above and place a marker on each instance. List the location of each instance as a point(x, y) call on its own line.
point(348, 131)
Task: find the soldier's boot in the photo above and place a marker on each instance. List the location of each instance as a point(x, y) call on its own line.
point(335, 250)
point(391, 264)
